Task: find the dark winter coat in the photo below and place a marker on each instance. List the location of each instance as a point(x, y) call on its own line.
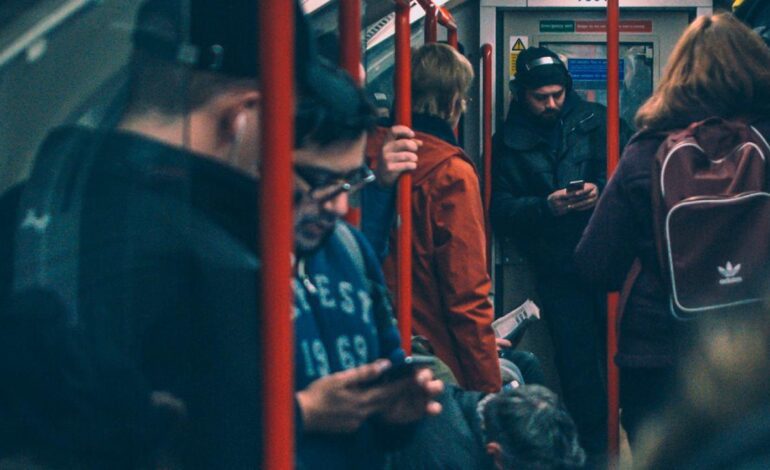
point(529, 165)
point(452, 440)
point(620, 230)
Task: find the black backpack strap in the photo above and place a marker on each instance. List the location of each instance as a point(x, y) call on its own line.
point(47, 239)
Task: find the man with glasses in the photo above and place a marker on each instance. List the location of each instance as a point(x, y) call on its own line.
point(344, 328)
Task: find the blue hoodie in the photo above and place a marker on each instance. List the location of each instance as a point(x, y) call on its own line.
point(342, 321)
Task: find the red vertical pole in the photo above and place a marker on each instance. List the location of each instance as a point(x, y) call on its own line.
point(350, 37)
point(403, 91)
point(277, 333)
point(350, 60)
point(613, 155)
point(446, 19)
point(452, 38)
point(486, 86)
point(431, 23)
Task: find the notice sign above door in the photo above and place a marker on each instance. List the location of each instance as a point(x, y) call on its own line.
point(557, 26)
point(626, 26)
point(594, 26)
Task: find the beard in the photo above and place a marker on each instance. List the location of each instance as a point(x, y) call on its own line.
point(550, 116)
point(310, 232)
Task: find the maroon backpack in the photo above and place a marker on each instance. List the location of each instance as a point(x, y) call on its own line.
point(711, 211)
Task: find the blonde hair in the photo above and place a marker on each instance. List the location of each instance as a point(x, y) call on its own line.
point(719, 67)
point(439, 73)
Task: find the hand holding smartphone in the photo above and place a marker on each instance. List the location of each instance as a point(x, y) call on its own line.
point(575, 185)
point(403, 369)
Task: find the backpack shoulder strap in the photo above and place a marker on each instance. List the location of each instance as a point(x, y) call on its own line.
point(382, 304)
point(345, 235)
point(47, 240)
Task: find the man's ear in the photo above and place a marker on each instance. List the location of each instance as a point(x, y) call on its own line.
point(496, 451)
point(456, 109)
point(233, 110)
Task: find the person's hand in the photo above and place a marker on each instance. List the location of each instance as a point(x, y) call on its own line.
point(340, 402)
point(411, 398)
point(503, 343)
point(562, 201)
point(398, 154)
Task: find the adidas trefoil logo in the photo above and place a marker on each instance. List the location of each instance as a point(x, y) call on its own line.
point(37, 223)
point(730, 274)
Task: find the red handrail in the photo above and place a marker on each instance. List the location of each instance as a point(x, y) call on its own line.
point(276, 19)
point(446, 20)
point(613, 155)
point(438, 15)
point(403, 101)
point(486, 87)
point(431, 22)
point(350, 60)
point(350, 37)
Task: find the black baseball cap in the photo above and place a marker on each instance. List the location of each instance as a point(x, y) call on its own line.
point(215, 35)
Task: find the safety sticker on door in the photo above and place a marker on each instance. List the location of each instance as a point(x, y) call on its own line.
point(516, 45)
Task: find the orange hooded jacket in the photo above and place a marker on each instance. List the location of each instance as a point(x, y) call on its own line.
point(451, 286)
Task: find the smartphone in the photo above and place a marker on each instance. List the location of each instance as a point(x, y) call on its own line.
point(404, 369)
point(575, 185)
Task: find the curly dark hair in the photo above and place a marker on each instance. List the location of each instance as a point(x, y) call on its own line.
point(534, 430)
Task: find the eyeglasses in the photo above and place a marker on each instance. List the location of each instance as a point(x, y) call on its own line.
point(324, 185)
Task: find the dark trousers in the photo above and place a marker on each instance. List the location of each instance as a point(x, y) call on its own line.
point(576, 318)
point(643, 393)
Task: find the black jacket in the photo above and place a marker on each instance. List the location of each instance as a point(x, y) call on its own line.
point(528, 166)
point(452, 440)
point(167, 293)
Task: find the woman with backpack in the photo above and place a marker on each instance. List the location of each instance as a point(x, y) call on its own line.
point(718, 69)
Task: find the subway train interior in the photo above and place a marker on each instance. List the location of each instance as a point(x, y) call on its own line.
point(69, 87)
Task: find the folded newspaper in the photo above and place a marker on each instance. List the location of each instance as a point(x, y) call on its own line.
point(512, 325)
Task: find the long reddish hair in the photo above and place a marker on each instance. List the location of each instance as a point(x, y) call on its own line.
point(719, 67)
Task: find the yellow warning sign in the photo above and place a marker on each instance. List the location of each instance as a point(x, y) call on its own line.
point(517, 44)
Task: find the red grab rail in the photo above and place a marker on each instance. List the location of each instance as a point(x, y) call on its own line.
point(613, 155)
point(486, 87)
point(446, 20)
point(350, 37)
point(438, 15)
point(431, 21)
point(349, 20)
point(403, 102)
point(276, 18)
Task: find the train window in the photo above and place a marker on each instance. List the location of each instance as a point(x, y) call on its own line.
point(60, 63)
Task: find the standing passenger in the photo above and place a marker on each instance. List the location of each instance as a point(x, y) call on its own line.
point(718, 68)
point(450, 281)
point(552, 137)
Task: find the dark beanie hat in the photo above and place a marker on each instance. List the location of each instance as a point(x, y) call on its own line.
point(535, 70)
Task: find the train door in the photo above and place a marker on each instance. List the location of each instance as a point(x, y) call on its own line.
point(575, 29)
